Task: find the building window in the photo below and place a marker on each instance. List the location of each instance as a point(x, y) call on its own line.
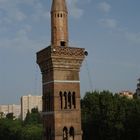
point(48, 134)
point(48, 104)
point(61, 99)
point(62, 43)
point(65, 98)
point(73, 100)
point(65, 133)
point(44, 102)
point(71, 133)
point(69, 100)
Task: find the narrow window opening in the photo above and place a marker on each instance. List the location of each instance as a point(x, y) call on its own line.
point(49, 138)
point(48, 133)
point(47, 103)
point(44, 103)
point(65, 97)
point(61, 100)
point(71, 133)
point(63, 43)
point(73, 100)
point(65, 133)
point(69, 100)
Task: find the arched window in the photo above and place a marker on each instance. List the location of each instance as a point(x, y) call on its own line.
point(69, 100)
point(61, 14)
point(65, 133)
point(44, 103)
point(65, 98)
point(58, 15)
point(61, 99)
point(71, 133)
point(48, 133)
point(49, 101)
point(73, 100)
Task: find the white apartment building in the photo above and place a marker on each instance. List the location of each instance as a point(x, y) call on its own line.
point(15, 109)
point(127, 94)
point(29, 102)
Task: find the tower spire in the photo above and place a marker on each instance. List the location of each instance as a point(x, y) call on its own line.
point(59, 23)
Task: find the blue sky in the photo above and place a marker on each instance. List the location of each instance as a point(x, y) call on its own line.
point(108, 29)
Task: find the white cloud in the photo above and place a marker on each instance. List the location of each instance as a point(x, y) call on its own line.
point(40, 12)
point(17, 15)
point(74, 10)
point(24, 31)
point(104, 7)
point(11, 12)
point(15, 10)
point(109, 23)
point(133, 37)
point(22, 43)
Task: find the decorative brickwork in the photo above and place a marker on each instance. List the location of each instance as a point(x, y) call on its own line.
point(60, 67)
point(61, 91)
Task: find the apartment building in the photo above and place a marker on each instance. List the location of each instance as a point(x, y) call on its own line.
point(15, 109)
point(29, 102)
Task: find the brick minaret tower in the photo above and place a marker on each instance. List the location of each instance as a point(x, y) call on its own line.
point(60, 66)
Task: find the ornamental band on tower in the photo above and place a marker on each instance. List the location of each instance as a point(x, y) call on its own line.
point(60, 66)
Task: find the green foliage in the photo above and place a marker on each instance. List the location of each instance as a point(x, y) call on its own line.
point(107, 116)
point(10, 116)
point(31, 132)
point(14, 129)
point(33, 118)
point(10, 129)
point(1, 115)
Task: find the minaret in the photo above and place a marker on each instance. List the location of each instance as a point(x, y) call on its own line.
point(59, 23)
point(60, 66)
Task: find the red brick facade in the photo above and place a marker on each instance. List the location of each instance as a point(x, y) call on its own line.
point(60, 67)
point(61, 92)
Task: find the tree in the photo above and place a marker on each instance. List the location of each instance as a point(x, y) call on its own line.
point(10, 129)
point(10, 116)
point(32, 132)
point(107, 116)
point(15, 129)
point(2, 115)
point(33, 118)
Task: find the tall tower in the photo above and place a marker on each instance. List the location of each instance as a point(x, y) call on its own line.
point(60, 67)
point(59, 23)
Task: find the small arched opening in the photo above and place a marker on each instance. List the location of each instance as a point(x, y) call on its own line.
point(65, 98)
point(65, 133)
point(71, 133)
point(69, 100)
